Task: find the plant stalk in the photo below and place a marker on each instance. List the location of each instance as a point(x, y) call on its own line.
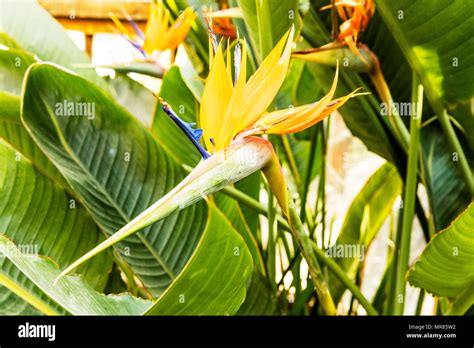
point(305, 245)
point(271, 245)
point(307, 180)
point(341, 275)
point(419, 305)
point(409, 199)
point(399, 130)
point(291, 160)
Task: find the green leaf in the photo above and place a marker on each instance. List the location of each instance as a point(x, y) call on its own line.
point(8, 41)
point(395, 68)
point(9, 108)
point(11, 304)
point(134, 97)
point(436, 39)
point(118, 170)
point(13, 65)
point(447, 191)
point(444, 268)
point(214, 280)
point(71, 293)
point(371, 206)
point(51, 43)
point(267, 21)
point(13, 132)
point(27, 199)
point(365, 216)
point(260, 299)
point(234, 213)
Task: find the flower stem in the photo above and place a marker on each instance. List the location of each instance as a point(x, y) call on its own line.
point(341, 275)
point(409, 199)
point(398, 127)
point(271, 245)
point(291, 160)
point(307, 179)
point(305, 245)
point(419, 305)
point(254, 205)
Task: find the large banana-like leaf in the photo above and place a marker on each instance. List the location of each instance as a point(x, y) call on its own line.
point(445, 267)
point(214, 280)
point(435, 38)
point(12, 304)
point(261, 299)
point(70, 293)
point(13, 132)
point(119, 170)
point(365, 216)
point(27, 199)
point(13, 65)
point(21, 20)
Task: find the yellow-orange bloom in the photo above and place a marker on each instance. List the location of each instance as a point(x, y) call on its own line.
point(236, 108)
point(159, 34)
point(220, 22)
point(356, 15)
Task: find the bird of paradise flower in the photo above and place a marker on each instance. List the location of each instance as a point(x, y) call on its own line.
point(234, 110)
point(159, 34)
point(355, 15)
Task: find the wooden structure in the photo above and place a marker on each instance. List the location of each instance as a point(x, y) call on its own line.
point(93, 16)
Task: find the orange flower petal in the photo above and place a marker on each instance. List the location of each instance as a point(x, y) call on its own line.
point(297, 119)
